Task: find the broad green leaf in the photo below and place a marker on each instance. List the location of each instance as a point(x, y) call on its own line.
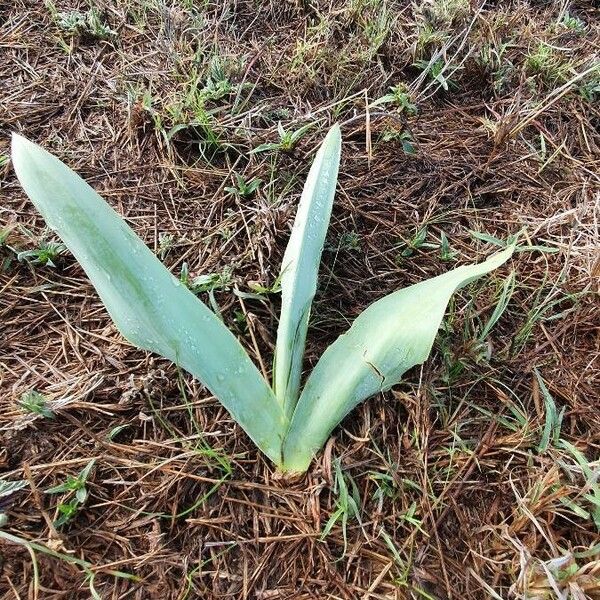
point(388, 338)
point(300, 268)
point(149, 306)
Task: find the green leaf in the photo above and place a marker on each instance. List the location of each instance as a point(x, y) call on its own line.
point(68, 486)
point(114, 432)
point(10, 487)
point(81, 495)
point(266, 147)
point(85, 472)
point(66, 512)
point(388, 338)
point(508, 287)
point(486, 237)
point(300, 268)
point(149, 306)
point(553, 421)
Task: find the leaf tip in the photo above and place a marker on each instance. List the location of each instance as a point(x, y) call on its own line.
point(335, 132)
point(19, 148)
point(17, 140)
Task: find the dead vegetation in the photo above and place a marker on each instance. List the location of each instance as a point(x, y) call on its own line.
point(464, 122)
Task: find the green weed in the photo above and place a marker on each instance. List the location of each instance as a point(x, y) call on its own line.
point(46, 254)
point(400, 96)
point(76, 487)
point(437, 71)
point(589, 88)
point(404, 138)
point(166, 242)
point(572, 23)
point(415, 244)
point(347, 504)
point(35, 403)
point(590, 471)
point(76, 23)
point(446, 252)
point(547, 64)
point(206, 283)
point(444, 13)
point(551, 432)
point(287, 139)
point(243, 188)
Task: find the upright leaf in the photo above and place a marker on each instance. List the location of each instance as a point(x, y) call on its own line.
point(149, 306)
point(388, 338)
point(300, 268)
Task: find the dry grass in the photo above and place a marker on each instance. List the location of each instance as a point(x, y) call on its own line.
point(157, 104)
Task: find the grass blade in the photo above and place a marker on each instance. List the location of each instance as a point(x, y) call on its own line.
point(553, 418)
point(388, 338)
point(508, 288)
point(149, 306)
point(300, 268)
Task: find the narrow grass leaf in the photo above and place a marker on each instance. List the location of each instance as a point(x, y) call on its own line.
point(300, 268)
point(149, 306)
point(553, 420)
point(508, 288)
point(388, 338)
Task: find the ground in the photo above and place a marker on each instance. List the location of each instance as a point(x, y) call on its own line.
point(463, 123)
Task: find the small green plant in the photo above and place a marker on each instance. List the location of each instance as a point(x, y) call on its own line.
point(553, 417)
point(589, 88)
point(347, 504)
point(257, 288)
point(10, 487)
point(155, 311)
point(427, 38)
point(437, 71)
point(46, 254)
point(548, 64)
point(287, 139)
point(189, 108)
point(4, 233)
point(7, 488)
point(77, 493)
point(349, 241)
point(572, 23)
point(218, 85)
point(258, 291)
point(89, 23)
point(399, 95)
point(35, 403)
point(443, 13)
point(387, 486)
point(405, 139)
point(166, 241)
point(6, 258)
point(446, 252)
point(416, 243)
point(588, 471)
point(208, 282)
point(243, 188)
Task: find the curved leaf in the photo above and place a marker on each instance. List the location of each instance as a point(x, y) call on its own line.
point(388, 338)
point(149, 306)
